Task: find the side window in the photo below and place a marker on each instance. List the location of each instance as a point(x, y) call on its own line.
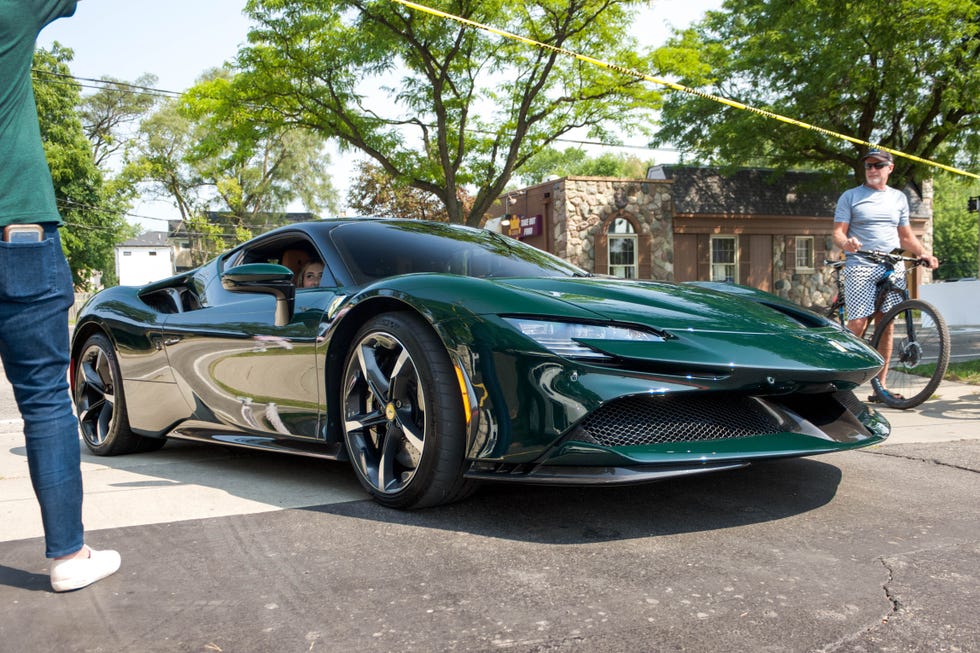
point(621, 239)
point(804, 253)
point(298, 253)
point(724, 258)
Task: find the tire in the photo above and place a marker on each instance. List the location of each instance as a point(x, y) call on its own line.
point(926, 344)
point(101, 405)
point(403, 420)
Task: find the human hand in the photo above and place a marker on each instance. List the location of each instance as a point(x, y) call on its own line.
point(852, 244)
point(930, 261)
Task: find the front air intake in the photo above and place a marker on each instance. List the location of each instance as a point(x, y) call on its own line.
point(661, 419)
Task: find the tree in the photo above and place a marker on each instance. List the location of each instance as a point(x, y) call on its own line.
point(374, 192)
point(955, 232)
point(574, 161)
point(110, 115)
point(254, 169)
point(159, 159)
point(440, 105)
point(201, 154)
point(902, 74)
point(92, 210)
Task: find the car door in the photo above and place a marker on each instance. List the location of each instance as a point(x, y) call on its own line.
point(238, 369)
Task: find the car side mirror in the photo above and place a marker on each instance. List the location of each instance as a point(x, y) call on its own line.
point(264, 278)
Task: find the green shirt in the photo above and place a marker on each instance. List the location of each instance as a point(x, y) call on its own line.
point(26, 190)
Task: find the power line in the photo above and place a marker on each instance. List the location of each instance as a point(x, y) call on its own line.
point(136, 89)
point(105, 84)
point(91, 207)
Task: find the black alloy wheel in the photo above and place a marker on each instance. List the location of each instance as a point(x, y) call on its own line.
point(403, 415)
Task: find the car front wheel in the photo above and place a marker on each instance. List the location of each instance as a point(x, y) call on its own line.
point(403, 415)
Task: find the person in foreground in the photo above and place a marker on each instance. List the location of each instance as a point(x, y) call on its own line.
point(874, 217)
point(35, 294)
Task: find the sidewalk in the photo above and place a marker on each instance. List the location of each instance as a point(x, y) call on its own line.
point(954, 414)
point(186, 481)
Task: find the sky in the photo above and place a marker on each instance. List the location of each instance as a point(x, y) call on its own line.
point(178, 40)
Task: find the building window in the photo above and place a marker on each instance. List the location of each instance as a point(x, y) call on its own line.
point(724, 258)
point(804, 253)
point(622, 249)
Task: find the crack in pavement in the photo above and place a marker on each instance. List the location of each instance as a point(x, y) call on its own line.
point(920, 459)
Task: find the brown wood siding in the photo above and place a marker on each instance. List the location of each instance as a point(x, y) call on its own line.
point(760, 263)
point(685, 257)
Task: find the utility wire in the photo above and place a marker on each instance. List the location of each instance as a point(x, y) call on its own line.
point(136, 89)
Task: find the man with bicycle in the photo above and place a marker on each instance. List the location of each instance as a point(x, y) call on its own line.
point(874, 217)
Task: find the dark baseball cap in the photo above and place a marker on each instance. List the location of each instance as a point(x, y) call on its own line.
point(881, 155)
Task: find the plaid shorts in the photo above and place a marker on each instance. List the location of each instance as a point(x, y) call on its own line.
point(860, 286)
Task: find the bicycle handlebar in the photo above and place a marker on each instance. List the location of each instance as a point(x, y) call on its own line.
point(887, 257)
point(878, 257)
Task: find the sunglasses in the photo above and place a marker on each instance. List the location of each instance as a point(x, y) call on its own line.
point(879, 165)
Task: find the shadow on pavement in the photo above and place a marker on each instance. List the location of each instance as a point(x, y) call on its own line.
point(25, 580)
point(759, 493)
point(960, 408)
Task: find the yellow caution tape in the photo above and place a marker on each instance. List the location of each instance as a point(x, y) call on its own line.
point(678, 87)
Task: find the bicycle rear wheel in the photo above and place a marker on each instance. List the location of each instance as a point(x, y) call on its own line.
point(919, 357)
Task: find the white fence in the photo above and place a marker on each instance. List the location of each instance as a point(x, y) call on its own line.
point(957, 301)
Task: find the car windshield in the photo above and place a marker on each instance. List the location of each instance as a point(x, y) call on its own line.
point(375, 250)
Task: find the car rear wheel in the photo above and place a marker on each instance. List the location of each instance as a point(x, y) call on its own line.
point(403, 415)
point(100, 404)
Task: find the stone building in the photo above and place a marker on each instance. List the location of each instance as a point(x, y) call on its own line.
point(755, 227)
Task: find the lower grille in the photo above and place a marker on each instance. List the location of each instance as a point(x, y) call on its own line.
point(662, 419)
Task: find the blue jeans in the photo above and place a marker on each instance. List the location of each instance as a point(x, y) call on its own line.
point(35, 295)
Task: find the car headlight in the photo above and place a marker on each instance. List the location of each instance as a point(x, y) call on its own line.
point(565, 338)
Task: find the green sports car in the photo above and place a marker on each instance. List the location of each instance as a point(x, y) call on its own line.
point(435, 357)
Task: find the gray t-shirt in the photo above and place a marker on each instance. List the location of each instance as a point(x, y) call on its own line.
point(873, 217)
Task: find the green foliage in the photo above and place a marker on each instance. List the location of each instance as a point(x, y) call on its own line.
point(205, 155)
point(110, 114)
point(92, 210)
point(439, 105)
point(954, 228)
point(901, 74)
point(207, 238)
point(254, 169)
point(574, 161)
point(373, 192)
point(158, 161)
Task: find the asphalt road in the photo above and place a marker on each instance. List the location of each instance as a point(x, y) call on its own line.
point(964, 343)
point(232, 551)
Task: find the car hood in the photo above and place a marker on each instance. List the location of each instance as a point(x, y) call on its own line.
point(666, 306)
point(711, 328)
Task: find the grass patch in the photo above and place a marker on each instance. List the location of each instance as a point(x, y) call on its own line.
point(965, 372)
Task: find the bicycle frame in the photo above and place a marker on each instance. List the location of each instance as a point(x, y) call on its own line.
point(883, 287)
point(904, 351)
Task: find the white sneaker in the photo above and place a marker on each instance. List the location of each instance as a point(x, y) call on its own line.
point(76, 573)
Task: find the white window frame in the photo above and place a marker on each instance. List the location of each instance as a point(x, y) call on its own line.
point(806, 265)
point(720, 270)
point(622, 270)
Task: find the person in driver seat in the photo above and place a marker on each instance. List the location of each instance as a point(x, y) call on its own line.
point(310, 275)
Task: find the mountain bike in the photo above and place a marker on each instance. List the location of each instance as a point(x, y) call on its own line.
point(920, 339)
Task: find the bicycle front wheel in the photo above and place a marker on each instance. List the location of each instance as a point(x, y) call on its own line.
point(919, 353)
